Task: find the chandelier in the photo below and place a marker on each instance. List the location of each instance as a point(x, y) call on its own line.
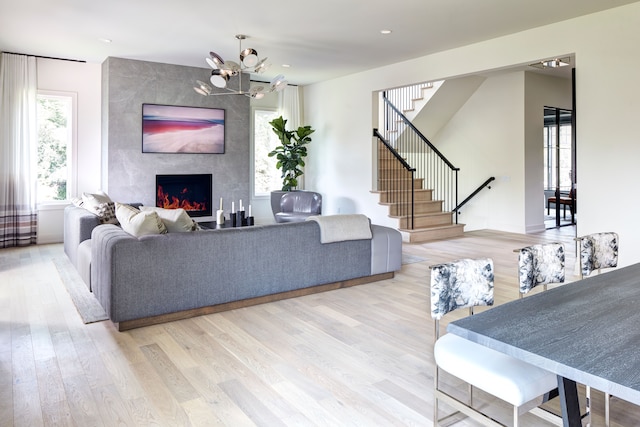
point(222, 71)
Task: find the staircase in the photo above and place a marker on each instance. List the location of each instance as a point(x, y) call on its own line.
point(395, 191)
point(414, 180)
point(416, 183)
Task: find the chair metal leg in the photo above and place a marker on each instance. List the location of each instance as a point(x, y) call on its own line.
point(587, 413)
point(607, 408)
point(435, 398)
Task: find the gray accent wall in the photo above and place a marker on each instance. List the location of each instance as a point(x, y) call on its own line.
point(128, 175)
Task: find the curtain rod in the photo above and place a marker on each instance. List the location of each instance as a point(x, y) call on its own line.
point(47, 57)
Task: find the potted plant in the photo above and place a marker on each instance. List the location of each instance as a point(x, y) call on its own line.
point(290, 156)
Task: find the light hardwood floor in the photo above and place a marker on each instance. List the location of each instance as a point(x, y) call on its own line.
point(360, 356)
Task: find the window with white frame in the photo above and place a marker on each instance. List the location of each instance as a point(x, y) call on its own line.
point(55, 118)
point(266, 177)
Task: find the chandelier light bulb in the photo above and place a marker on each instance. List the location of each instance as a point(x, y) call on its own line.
point(219, 79)
point(250, 63)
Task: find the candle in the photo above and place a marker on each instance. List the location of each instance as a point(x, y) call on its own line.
point(241, 208)
point(233, 207)
point(249, 209)
point(220, 203)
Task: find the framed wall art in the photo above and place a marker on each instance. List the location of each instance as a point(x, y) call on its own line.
point(175, 129)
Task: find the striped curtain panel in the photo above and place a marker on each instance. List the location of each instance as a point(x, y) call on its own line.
point(18, 142)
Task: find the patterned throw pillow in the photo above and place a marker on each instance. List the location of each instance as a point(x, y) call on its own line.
point(107, 213)
point(77, 201)
point(98, 204)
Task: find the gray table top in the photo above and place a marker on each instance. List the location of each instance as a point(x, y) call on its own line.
point(587, 331)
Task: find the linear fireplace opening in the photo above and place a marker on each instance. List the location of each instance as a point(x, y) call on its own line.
point(189, 192)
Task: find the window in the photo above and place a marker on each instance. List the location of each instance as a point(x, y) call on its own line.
point(266, 176)
point(55, 143)
point(557, 157)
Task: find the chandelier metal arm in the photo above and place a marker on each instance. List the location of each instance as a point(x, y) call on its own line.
point(249, 63)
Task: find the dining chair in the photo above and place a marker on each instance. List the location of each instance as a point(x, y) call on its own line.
point(468, 283)
point(540, 264)
point(598, 251)
point(544, 264)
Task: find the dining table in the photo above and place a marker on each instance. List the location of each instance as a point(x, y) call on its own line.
point(586, 332)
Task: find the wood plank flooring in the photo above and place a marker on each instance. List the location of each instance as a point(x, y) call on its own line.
point(359, 356)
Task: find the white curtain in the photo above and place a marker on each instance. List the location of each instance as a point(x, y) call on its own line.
point(18, 140)
point(289, 107)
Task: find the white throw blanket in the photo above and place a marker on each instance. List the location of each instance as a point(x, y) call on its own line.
point(338, 228)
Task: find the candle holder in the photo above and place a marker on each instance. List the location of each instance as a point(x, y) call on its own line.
point(240, 219)
point(249, 220)
point(232, 218)
point(219, 218)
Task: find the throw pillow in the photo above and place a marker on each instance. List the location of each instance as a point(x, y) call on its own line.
point(138, 223)
point(176, 220)
point(77, 201)
point(101, 205)
point(107, 213)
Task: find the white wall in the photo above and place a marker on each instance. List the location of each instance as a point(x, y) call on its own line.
point(608, 104)
point(261, 205)
point(540, 92)
point(485, 138)
point(83, 79)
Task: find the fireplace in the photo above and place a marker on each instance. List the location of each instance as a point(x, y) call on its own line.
point(189, 192)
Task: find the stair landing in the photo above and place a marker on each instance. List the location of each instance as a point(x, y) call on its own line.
point(428, 234)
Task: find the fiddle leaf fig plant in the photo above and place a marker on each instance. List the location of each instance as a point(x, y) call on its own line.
point(292, 151)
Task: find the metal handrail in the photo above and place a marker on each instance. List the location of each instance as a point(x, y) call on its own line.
point(472, 195)
point(396, 182)
point(402, 161)
point(435, 171)
point(408, 123)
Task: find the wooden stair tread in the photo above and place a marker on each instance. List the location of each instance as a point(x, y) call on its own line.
point(429, 234)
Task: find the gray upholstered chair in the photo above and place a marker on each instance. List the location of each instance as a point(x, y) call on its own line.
point(469, 283)
point(296, 206)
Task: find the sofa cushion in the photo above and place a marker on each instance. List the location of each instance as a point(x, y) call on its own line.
point(84, 262)
point(138, 223)
point(176, 220)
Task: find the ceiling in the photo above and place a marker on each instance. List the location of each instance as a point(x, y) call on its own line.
point(320, 40)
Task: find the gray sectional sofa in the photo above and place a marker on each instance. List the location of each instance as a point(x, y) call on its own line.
point(158, 278)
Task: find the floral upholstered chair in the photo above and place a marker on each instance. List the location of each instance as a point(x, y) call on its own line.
point(460, 284)
point(540, 265)
point(597, 251)
point(469, 283)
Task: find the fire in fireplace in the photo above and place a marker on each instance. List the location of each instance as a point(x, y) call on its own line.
point(189, 192)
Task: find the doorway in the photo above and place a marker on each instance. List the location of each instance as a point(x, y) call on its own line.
point(559, 168)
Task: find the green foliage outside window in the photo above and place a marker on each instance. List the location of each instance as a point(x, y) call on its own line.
point(53, 138)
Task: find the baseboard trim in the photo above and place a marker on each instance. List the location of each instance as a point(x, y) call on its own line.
point(185, 314)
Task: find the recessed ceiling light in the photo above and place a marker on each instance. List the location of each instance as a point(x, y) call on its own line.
point(385, 32)
point(286, 65)
point(552, 63)
point(105, 40)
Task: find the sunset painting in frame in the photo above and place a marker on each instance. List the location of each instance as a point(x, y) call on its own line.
point(174, 129)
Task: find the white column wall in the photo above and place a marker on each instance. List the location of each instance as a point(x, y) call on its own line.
point(485, 138)
point(83, 79)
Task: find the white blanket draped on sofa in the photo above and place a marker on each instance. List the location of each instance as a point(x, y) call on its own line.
point(340, 228)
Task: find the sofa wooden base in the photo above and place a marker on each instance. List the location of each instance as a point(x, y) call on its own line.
point(179, 315)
